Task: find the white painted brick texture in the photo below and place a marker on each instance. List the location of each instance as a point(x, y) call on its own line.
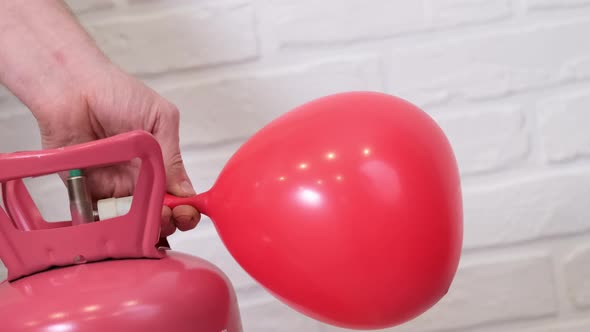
point(491, 291)
point(330, 21)
point(489, 140)
point(179, 39)
point(460, 12)
point(553, 4)
point(562, 135)
point(260, 97)
point(529, 208)
point(492, 65)
point(577, 272)
point(507, 80)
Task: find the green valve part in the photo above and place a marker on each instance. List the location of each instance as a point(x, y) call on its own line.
point(75, 172)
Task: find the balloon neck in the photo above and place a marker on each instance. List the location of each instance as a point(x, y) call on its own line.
point(202, 202)
point(199, 201)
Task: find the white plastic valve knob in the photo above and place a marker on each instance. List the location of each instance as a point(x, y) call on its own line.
point(113, 207)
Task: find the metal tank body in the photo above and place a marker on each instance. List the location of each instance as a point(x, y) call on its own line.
point(114, 275)
point(179, 293)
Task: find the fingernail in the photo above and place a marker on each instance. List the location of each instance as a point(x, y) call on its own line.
point(187, 188)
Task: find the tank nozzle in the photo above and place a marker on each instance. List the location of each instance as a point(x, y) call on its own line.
point(80, 200)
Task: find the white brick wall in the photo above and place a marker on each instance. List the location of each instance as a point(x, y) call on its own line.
point(508, 81)
point(559, 120)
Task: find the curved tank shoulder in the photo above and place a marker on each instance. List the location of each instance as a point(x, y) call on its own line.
point(176, 293)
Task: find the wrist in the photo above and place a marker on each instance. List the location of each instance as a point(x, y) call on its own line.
point(44, 67)
point(69, 74)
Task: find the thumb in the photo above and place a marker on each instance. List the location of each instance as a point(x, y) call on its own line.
point(166, 131)
point(177, 180)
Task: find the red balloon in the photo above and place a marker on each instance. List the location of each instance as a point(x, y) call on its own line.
point(347, 208)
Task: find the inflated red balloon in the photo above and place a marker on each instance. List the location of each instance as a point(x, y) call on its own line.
point(347, 208)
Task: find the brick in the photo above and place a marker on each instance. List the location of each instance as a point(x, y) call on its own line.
point(577, 275)
point(554, 4)
point(272, 315)
point(80, 7)
point(329, 21)
point(174, 40)
point(564, 124)
point(460, 12)
point(489, 65)
point(490, 291)
point(491, 139)
point(232, 108)
point(529, 208)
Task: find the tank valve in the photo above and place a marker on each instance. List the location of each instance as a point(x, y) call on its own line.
point(80, 200)
point(113, 207)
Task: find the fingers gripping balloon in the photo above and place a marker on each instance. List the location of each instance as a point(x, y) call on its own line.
point(347, 208)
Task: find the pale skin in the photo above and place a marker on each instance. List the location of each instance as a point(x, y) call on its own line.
point(77, 95)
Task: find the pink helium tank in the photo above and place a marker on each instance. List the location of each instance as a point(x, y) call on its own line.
point(108, 275)
point(347, 208)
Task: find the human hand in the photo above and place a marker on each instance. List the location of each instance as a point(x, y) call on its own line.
point(112, 103)
point(77, 95)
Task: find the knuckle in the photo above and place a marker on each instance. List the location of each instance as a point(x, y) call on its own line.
point(175, 161)
point(166, 118)
point(171, 112)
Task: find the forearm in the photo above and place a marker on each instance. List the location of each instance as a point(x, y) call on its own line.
point(44, 53)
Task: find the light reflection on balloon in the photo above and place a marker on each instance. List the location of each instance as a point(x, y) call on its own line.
point(310, 197)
